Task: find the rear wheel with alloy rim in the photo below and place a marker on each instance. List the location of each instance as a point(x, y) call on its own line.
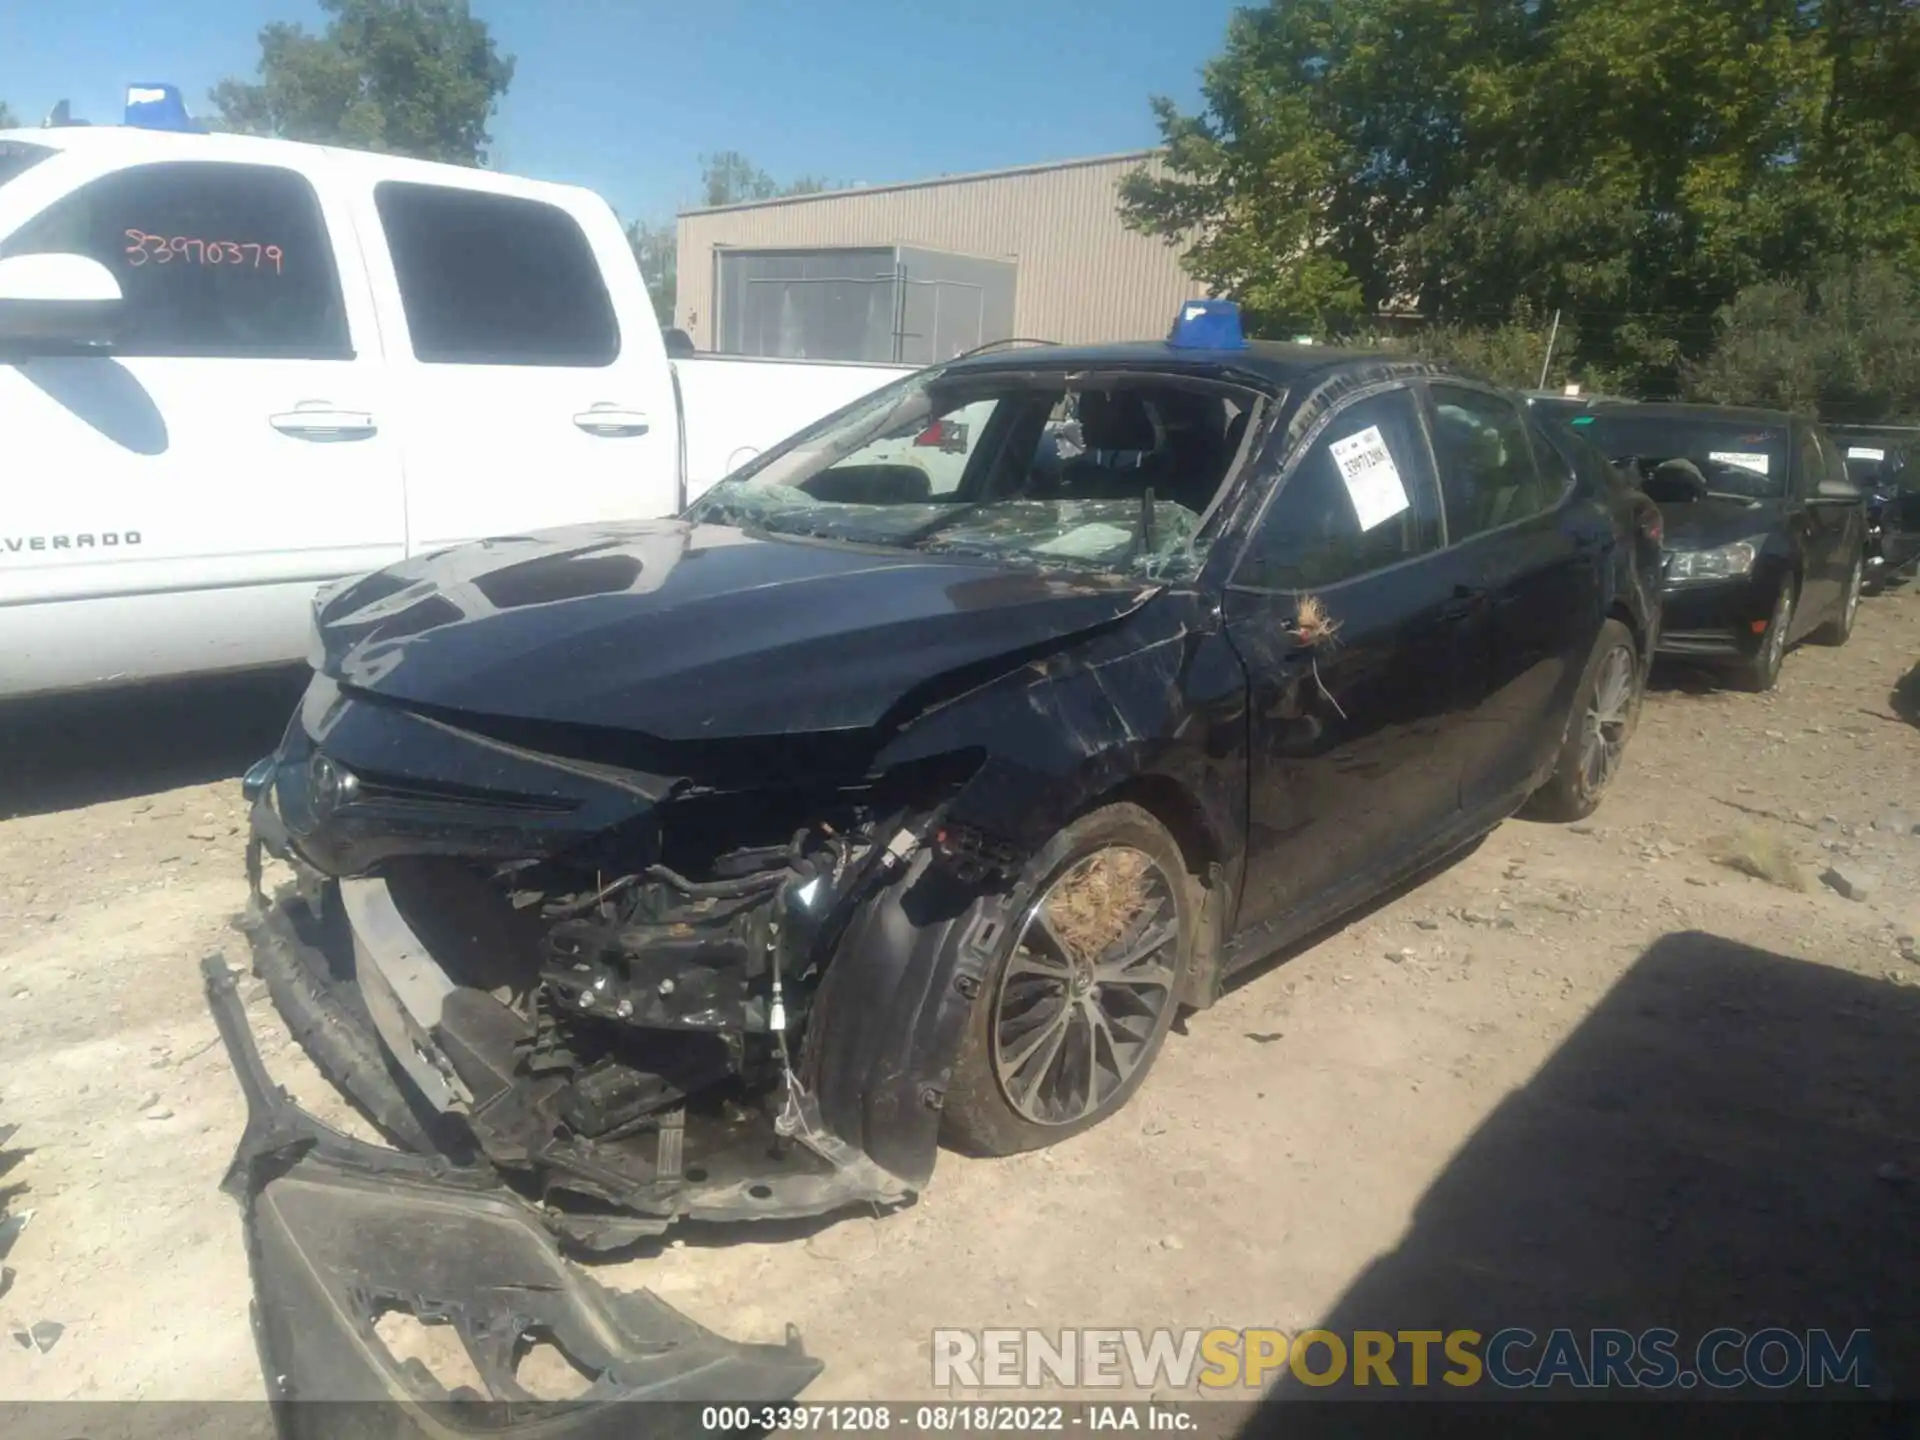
point(1763, 670)
point(1840, 627)
point(1605, 711)
point(1076, 1007)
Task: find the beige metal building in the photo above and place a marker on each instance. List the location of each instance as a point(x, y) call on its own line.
point(918, 272)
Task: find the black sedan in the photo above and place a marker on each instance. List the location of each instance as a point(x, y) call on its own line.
point(1885, 462)
point(717, 867)
point(1765, 532)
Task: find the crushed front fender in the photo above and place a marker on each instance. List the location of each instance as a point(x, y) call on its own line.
point(340, 1232)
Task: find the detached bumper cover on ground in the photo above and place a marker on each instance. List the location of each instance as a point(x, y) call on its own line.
point(339, 1232)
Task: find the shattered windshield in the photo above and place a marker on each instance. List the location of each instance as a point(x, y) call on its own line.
point(1110, 472)
point(1735, 458)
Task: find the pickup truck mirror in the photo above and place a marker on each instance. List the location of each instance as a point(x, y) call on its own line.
point(1834, 491)
point(65, 299)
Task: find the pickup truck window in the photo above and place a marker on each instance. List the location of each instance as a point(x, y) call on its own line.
point(495, 280)
point(213, 259)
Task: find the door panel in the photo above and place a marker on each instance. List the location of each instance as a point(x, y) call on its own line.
point(1539, 552)
point(1354, 741)
point(534, 395)
point(190, 460)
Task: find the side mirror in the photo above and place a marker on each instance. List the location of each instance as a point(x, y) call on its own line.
point(1838, 492)
point(63, 299)
point(679, 344)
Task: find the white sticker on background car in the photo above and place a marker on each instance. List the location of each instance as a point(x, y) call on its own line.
point(1373, 482)
point(1746, 460)
point(1861, 452)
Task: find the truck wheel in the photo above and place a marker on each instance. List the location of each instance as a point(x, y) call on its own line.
point(1840, 627)
point(1605, 710)
point(1076, 1006)
point(1762, 672)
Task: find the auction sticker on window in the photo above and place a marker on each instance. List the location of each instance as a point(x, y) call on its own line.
point(1373, 483)
point(1745, 459)
point(1865, 452)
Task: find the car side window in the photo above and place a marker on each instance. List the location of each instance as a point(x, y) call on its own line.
point(1833, 465)
point(490, 279)
point(1362, 498)
point(212, 259)
point(1488, 473)
point(1808, 464)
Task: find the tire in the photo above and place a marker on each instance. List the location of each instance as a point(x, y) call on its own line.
point(1606, 709)
point(1015, 1087)
point(1839, 629)
point(1762, 672)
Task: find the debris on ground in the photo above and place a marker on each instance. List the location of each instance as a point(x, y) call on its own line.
point(1763, 854)
point(41, 1336)
point(1850, 881)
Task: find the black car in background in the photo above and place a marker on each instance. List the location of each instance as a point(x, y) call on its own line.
point(1885, 462)
point(1765, 531)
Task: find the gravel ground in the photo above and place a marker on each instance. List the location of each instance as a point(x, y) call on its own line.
point(1587, 1074)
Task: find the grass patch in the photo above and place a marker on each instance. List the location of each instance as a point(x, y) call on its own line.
point(1764, 854)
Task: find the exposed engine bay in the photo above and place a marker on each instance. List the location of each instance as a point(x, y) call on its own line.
point(632, 1031)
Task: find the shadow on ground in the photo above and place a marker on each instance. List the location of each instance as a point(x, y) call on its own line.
point(62, 751)
point(1906, 696)
point(1731, 1138)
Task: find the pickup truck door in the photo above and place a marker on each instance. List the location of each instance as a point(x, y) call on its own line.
point(531, 368)
point(172, 502)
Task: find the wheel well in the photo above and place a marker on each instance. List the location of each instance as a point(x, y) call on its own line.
point(1168, 802)
point(1618, 611)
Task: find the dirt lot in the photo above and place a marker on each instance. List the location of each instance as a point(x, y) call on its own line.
point(1586, 1075)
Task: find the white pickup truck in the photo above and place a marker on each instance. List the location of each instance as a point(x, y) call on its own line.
point(233, 370)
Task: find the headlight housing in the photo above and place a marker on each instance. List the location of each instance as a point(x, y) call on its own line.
point(1723, 562)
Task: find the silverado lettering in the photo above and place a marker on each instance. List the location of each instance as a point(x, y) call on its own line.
point(96, 540)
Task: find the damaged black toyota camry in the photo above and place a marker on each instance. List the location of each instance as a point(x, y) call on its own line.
point(907, 785)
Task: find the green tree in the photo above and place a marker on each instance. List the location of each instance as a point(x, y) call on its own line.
point(410, 77)
point(729, 178)
point(656, 248)
point(1634, 163)
point(1846, 346)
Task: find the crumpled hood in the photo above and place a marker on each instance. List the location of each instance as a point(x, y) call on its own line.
point(691, 632)
point(1704, 524)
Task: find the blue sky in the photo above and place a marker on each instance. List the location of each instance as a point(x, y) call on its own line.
point(624, 97)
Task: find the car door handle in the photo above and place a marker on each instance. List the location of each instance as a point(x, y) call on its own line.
point(1467, 599)
point(609, 419)
point(319, 420)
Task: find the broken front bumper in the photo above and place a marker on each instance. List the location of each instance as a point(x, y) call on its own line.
point(339, 1233)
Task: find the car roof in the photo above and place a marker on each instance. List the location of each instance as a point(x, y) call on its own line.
point(1675, 410)
point(136, 144)
point(1280, 366)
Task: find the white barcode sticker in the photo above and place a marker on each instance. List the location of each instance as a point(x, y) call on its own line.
point(1863, 452)
point(1373, 482)
point(1746, 460)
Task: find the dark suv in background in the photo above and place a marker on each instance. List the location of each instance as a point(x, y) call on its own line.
point(1766, 534)
point(1884, 460)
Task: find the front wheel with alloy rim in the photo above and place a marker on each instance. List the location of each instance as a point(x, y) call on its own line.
point(1605, 710)
point(1840, 627)
point(1081, 995)
point(1762, 672)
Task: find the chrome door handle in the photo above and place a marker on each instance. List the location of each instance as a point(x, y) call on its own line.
point(608, 419)
point(319, 420)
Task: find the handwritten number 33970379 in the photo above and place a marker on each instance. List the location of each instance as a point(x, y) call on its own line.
point(143, 249)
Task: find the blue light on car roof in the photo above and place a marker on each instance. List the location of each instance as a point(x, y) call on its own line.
point(158, 107)
point(1208, 325)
